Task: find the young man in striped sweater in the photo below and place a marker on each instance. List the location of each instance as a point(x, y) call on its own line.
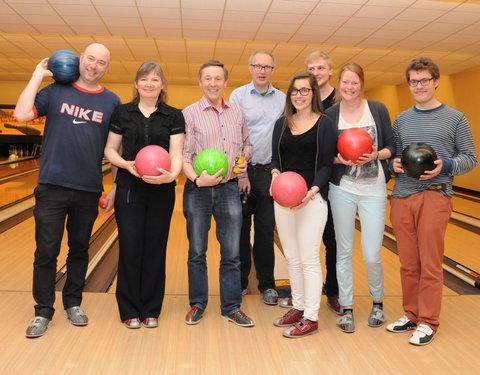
point(421, 208)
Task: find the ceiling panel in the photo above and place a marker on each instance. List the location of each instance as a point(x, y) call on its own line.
point(382, 35)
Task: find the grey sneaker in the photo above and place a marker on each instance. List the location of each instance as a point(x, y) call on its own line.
point(346, 322)
point(37, 327)
point(77, 316)
point(377, 317)
point(270, 296)
point(286, 303)
point(239, 318)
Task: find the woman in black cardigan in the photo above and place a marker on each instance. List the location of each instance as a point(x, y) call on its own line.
point(359, 187)
point(304, 141)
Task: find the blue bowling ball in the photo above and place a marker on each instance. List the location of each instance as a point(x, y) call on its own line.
point(64, 66)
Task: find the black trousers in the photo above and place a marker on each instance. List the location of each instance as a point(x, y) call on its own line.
point(53, 205)
point(143, 219)
point(331, 283)
point(264, 223)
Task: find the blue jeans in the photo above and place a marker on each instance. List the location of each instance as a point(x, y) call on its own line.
point(199, 204)
point(371, 211)
point(53, 205)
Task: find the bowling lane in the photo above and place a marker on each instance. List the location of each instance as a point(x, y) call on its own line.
point(21, 166)
point(18, 247)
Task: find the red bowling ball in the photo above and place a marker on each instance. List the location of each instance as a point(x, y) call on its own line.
point(288, 189)
point(150, 158)
point(101, 201)
point(353, 143)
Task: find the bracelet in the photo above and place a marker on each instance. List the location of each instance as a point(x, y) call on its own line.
point(378, 155)
point(195, 181)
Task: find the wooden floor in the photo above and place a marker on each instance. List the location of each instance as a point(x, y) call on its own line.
point(215, 346)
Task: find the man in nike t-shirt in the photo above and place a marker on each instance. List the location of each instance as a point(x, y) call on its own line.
point(70, 178)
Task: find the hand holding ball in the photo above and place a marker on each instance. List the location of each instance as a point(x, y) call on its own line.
point(211, 160)
point(417, 158)
point(353, 143)
point(101, 201)
point(64, 66)
point(150, 158)
point(288, 189)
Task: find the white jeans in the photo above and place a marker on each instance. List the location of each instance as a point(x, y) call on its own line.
point(300, 232)
point(371, 211)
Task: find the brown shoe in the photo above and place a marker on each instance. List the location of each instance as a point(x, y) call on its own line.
point(303, 327)
point(332, 302)
point(292, 316)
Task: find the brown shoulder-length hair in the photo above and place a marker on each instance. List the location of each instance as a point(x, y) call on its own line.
point(317, 106)
point(144, 70)
point(353, 67)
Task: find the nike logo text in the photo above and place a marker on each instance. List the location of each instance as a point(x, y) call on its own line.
point(82, 113)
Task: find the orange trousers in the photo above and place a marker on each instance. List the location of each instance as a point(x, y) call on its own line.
point(419, 222)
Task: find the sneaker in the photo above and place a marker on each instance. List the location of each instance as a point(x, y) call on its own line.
point(401, 325)
point(332, 302)
point(270, 296)
point(292, 316)
point(377, 317)
point(37, 327)
point(303, 327)
point(132, 323)
point(150, 323)
point(423, 335)
point(346, 322)
point(77, 316)
point(239, 318)
point(194, 315)
point(286, 303)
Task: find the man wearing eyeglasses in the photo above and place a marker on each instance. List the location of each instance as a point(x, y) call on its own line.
point(263, 105)
point(421, 208)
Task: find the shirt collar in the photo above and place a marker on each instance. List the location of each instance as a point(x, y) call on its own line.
point(252, 90)
point(204, 104)
point(133, 107)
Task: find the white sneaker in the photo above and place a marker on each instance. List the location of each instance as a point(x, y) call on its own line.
point(423, 335)
point(401, 325)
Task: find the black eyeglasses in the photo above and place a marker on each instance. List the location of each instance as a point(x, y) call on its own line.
point(424, 82)
point(258, 67)
point(303, 91)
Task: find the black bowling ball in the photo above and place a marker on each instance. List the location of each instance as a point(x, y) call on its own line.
point(249, 203)
point(417, 158)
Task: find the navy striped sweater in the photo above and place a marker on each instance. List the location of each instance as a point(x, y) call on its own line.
point(448, 132)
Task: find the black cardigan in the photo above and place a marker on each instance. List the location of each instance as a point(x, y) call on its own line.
point(326, 151)
point(384, 134)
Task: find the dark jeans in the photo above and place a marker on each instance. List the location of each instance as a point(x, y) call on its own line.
point(199, 204)
point(143, 220)
point(331, 283)
point(264, 223)
point(53, 205)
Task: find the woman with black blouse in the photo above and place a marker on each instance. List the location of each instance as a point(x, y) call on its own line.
point(144, 205)
point(304, 141)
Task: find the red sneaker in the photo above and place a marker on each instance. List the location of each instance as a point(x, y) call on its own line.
point(303, 327)
point(292, 316)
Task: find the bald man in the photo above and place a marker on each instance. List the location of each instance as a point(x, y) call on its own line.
point(70, 178)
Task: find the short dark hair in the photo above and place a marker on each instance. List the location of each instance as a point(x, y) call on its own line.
point(317, 106)
point(213, 63)
point(422, 63)
point(144, 70)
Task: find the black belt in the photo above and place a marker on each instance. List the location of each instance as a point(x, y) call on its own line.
point(259, 166)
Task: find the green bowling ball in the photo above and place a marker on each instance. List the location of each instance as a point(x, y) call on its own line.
point(211, 160)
